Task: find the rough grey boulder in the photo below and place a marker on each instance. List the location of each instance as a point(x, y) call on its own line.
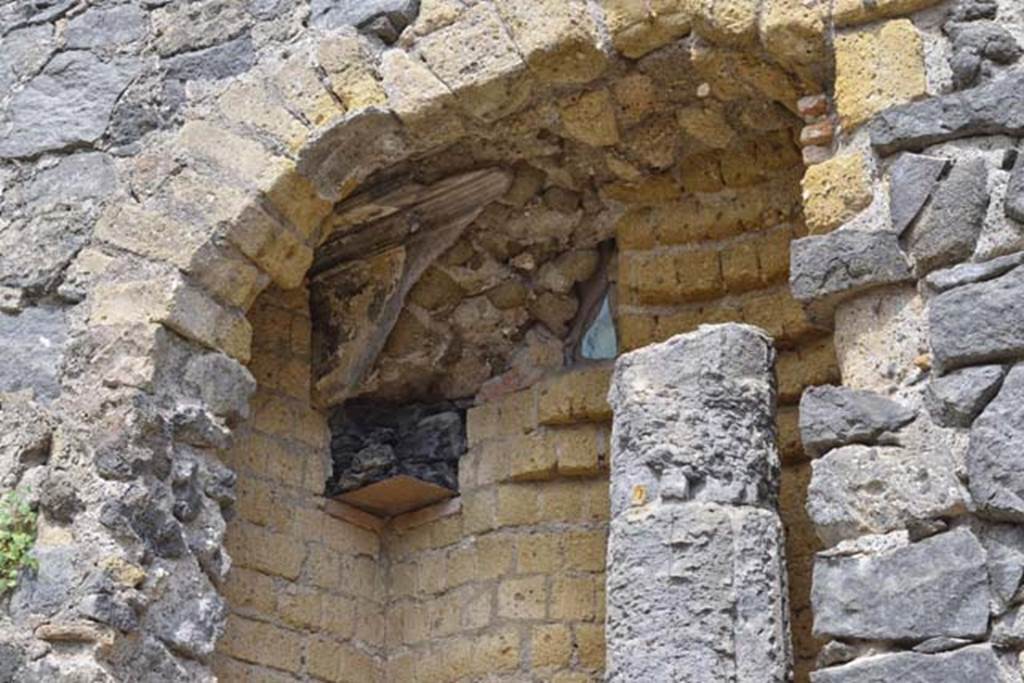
point(978, 323)
point(967, 665)
point(715, 441)
point(995, 459)
point(1014, 203)
point(976, 47)
point(26, 429)
point(949, 225)
point(912, 178)
point(837, 416)
point(860, 489)
point(995, 108)
point(844, 262)
point(67, 104)
point(936, 587)
point(954, 400)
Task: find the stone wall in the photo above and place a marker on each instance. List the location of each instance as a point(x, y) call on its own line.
point(162, 162)
point(306, 591)
point(915, 256)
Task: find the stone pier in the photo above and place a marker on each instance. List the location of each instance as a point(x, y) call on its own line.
point(696, 568)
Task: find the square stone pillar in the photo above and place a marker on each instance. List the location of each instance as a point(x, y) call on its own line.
point(696, 570)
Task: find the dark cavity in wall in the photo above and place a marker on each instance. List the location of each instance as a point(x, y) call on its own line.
point(373, 441)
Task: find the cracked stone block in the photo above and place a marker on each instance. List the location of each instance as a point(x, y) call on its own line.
point(844, 262)
point(954, 400)
point(68, 103)
point(911, 181)
point(696, 569)
point(717, 438)
point(949, 226)
point(912, 592)
point(861, 489)
point(995, 108)
point(978, 323)
point(837, 416)
point(995, 462)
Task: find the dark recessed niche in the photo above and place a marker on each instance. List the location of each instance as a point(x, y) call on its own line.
point(373, 441)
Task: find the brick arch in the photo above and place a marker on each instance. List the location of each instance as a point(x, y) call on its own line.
point(235, 202)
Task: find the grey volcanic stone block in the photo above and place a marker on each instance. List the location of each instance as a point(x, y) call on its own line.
point(949, 226)
point(978, 323)
point(995, 457)
point(67, 104)
point(968, 273)
point(911, 181)
point(971, 664)
point(713, 442)
point(384, 18)
point(936, 587)
point(1014, 204)
point(860, 489)
point(696, 592)
point(106, 27)
point(956, 399)
point(219, 61)
point(696, 576)
point(33, 344)
point(844, 262)
point(837, 416)
point(996, 108)
point(1004, 548)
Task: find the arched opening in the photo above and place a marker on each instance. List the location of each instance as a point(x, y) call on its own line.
point(473, 242)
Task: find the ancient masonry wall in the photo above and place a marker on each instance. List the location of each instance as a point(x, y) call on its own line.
point(162, 162)
point(915, 251)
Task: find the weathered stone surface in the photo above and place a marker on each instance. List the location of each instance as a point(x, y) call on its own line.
point(149, 103)
point(223, 384)
point(835, 191)
point(936, 587)
point(709, 580)
point(876, 68)
point(950, 224)
point(106, 27)
point(967, 273)
point(995, 462)
point(966, 665)
point(372, 441)
point(911, 181)
point(860, 489)
point(558, 39)
point(74, 179)
point(844, 262)
point(25, 437)
point(1004, 551)
point(1014, 202)
point(979, 323)
point(972, 10)
point(219, 61)
point(67, 104)
point(976, 47)
point(995, 108)
point(477, 59)
point(25, 51)
point(954, 400)
point(32, 343)
point(837, 416)
point(384, 18)
point(712, 443)
point(187, 615)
